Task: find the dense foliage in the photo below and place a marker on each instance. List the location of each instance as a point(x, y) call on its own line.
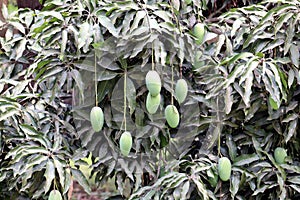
point(243, 99)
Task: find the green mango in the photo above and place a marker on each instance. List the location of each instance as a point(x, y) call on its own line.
point(97, 118)
point(55, 195)
point(125, 143)
point(172, 116)
point(152, 103)
point(224, 168)
point(153, 83)
point(199, 32)
point(280, 155)
point(181, 90)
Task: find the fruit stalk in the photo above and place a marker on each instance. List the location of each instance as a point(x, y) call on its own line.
point(125, 102)
point(96, 79)
point(172, 86)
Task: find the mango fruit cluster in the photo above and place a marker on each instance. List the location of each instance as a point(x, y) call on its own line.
point(153, 84)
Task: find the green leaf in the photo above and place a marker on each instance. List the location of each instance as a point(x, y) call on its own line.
point(35, 135)
point(36, 150)
point(202, 191)
point(280, 182)
point(234, 185)
point(228, 100)
point(245, 159)
point(85, 36)
point(263, 189)
point(60, 170)
point(20, 48)
point(131, 95)
point(79, 83)
point(239, 69)
point(294, 179)
point(236, 25)
point(166, 16)
point(49, 175)
point(81, 179)
point(18, 26)
point(149, 195)
point(283, 18)
point(20, 87)
point(220, 43)
point(52, 14)
point(7, 114)
point(64, 40)
point(291, 78)
point(290, 32)
point(68, 181)
point(107, 23)
point(291, 130)
point(89, 66)
point(272, 45)
point(49, 73)
point(251, 65)
point(248, 89)
point(290, 117)
point(176, 194)
point(106, 75)
point(139, 16)
point(239, 56)
point(185, 190)
point(294, 50)
point(275, 105)
point(4, 11)
point(126, 23)
point(231, 147)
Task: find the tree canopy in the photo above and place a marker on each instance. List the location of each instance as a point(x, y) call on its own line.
point(61, 58)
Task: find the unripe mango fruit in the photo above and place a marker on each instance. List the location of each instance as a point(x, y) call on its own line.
point(280, 155)
point(199, 32)
point(153, 82)
point(181, 90)
point(97, 118)
point(172, 116)
point(125, 143)
point(55, 195)
point(224, 168)
point(152, 103)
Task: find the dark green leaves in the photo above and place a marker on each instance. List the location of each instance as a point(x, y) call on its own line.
point(243, 79)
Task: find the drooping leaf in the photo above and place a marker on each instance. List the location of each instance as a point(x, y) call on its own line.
point(49, 175)
point(81, 179)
